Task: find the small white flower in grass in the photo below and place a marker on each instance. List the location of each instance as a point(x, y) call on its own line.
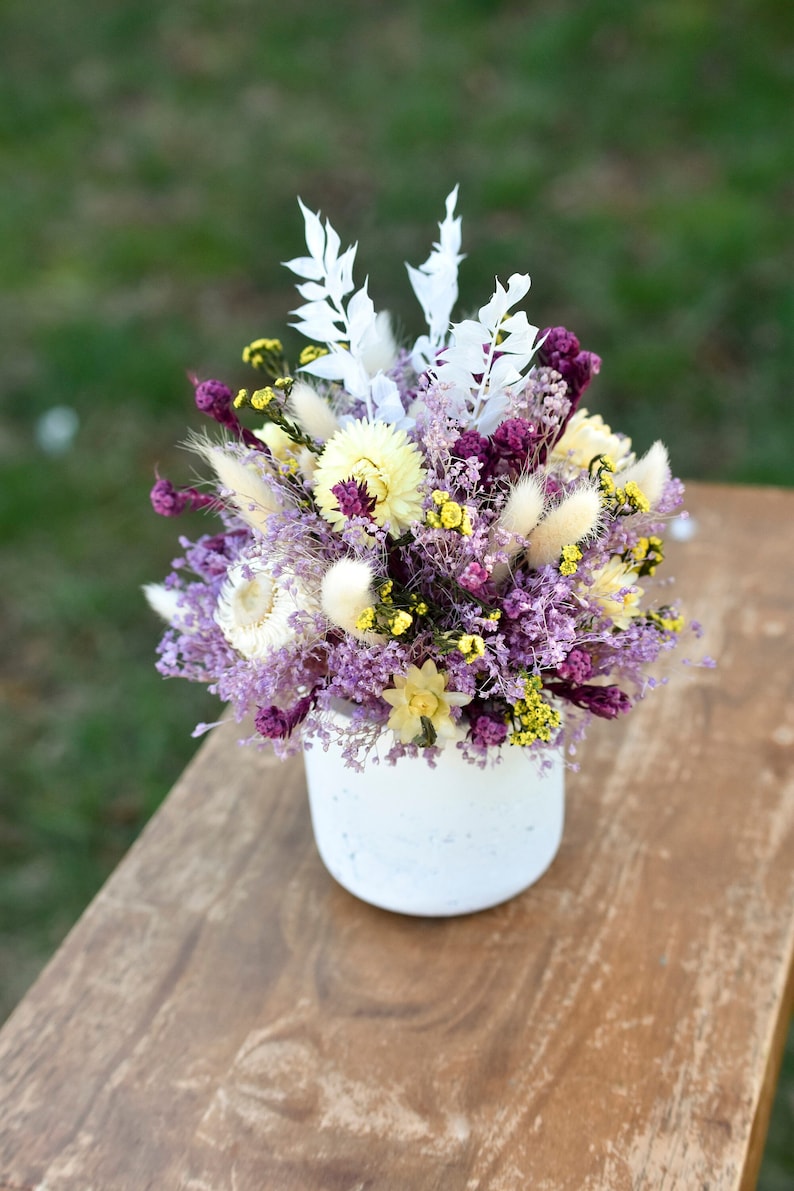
point(347, 590)
point(576, 517)
point(254, 609)
point(421, 694)
point(607, 584)
point(587, 436)
point(381, 457)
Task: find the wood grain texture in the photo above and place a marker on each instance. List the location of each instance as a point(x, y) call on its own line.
point(225, 1016)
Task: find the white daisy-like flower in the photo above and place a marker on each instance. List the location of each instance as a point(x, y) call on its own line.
point(383, 459)
point(254, 609)
point(588, 435)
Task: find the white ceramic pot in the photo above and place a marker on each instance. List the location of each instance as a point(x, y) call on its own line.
point(436, 842)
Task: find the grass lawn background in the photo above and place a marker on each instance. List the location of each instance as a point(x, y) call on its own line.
point(635, 158)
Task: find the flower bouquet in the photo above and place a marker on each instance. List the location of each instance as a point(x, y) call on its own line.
point(424, 549)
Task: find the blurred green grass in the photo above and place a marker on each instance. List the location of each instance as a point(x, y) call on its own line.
point(636, 158)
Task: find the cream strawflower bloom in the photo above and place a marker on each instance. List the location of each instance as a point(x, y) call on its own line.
point(586, 436)
point(254, 609)
point(421, 694)
point(607, 583)
point(381, 457)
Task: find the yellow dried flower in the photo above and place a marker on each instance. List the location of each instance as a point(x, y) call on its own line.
point(310, 353)
point(365, 620)
point(399, 622)
point(636, 497)
point(418, 698)
point(587, 436)
point(471, 646)
point(570, 557)
point(451, 515)
point(535, 716)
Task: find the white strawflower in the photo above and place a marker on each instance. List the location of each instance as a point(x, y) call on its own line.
point(253, 499)
point(254, 609)
point(574, 518)
point(586, 436)
point(346, 590)
point(383, 459)
point(608, 582)
point(650, 473)
point(312, 412)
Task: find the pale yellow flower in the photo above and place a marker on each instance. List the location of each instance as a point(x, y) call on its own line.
point(381, 457)
point(586, 436)
point(607, 583)
point(285, 451)
point(421, 694)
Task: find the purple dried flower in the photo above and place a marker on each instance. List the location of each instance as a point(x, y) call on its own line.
point(558, 342)
point(514, 436)
point(354, 498)
point(486, 730)
point(276, 724)
point(471, 445)
point(514, 440)
point(561, 352)
point(169, 501)
point(608, 702)
point(577, 667)
point(215, 399)
point(473, 577)
point(272, 723)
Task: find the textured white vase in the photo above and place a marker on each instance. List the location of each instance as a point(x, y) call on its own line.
point(436, 842)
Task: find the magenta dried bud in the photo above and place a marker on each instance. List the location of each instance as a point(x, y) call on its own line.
point(166, 499)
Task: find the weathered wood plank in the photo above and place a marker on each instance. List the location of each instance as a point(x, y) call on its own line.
point(224, 1016)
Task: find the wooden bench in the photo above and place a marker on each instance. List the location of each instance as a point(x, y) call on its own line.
point(225, 1016)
